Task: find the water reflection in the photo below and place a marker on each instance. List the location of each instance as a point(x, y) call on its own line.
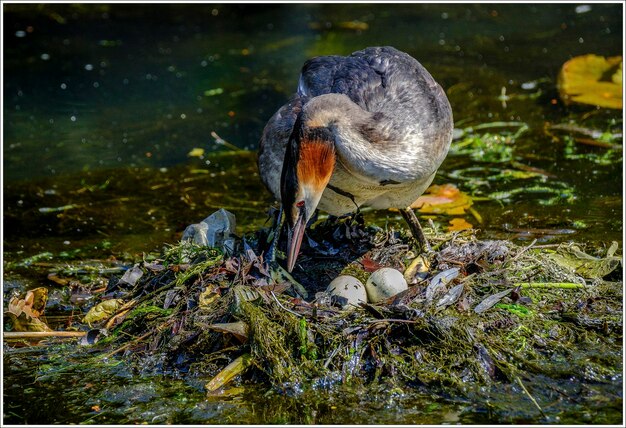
point(116, 85)
point(91, 88)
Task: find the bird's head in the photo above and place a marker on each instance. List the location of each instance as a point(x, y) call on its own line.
point(308, 166)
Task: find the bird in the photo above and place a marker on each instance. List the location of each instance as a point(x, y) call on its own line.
point(367, 129)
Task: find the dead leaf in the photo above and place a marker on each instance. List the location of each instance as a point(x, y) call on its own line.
point(459, 224)
point(102, 310)
point(132, 275)
point(276, 288)
point(370, 265)
point(451, 297)
point(32, 305)
point(238, 329)
point(592, 79)
point(490, 301)
point(443, 199)
point(229, 372)
point(573, 258)
point(417, 270)
point(25, 313)
point(208, 296)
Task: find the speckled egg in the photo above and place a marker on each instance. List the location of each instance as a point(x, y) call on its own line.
point(384, 283)
point(347, 291)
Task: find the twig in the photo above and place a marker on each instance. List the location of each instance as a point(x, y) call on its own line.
point(524, 250)
point(390, 320)
point(530, 396)
point(220, 140)
point(593, 133)
point(416, 230)
point(140, 338)
point(131, 304)
point(496, 125)
point(284, 308)
point(13, 335)
point(329, 359)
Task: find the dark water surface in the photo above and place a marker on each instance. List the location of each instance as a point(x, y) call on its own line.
point(104, 103)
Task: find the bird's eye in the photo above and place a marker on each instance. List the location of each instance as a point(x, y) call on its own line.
point(300, 204)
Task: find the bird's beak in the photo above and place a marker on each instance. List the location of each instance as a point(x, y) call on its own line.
point(294, 239)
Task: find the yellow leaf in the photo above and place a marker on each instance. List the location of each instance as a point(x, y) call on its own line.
point(102, 310)
point(443, 199)
point(229, 372)
point(208, 296)
point(592, 79)
point(196, 152)
point(459, 224)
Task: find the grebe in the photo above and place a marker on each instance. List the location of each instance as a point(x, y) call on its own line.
point(369, 129)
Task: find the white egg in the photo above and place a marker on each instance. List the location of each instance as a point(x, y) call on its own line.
point(384, 283)
point(347, 291)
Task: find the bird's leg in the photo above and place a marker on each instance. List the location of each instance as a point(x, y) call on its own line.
point(414, 224)
point(270, 256)
point(357, 219)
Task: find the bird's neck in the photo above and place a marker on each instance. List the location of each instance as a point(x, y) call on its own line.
point(361, 138)
point(332, 111)
point(316, 160)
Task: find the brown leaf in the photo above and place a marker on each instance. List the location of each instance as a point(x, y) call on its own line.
point(370, 265)
point(179, 268)
point(276, 288)
point(57, 279)
point(238, 329)
point(25, 312)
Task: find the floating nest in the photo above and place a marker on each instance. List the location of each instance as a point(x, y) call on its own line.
point(476, 313)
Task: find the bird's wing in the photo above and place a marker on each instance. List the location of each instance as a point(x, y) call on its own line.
point(351, 76)
point(380, 79)
point(411, 115)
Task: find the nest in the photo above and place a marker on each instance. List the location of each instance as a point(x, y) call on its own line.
point(477, 313)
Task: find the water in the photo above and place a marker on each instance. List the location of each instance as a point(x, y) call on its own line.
point(104, 103)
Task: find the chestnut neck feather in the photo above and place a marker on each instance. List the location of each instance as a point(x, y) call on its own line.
point(316, 161)
point(309, 161)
